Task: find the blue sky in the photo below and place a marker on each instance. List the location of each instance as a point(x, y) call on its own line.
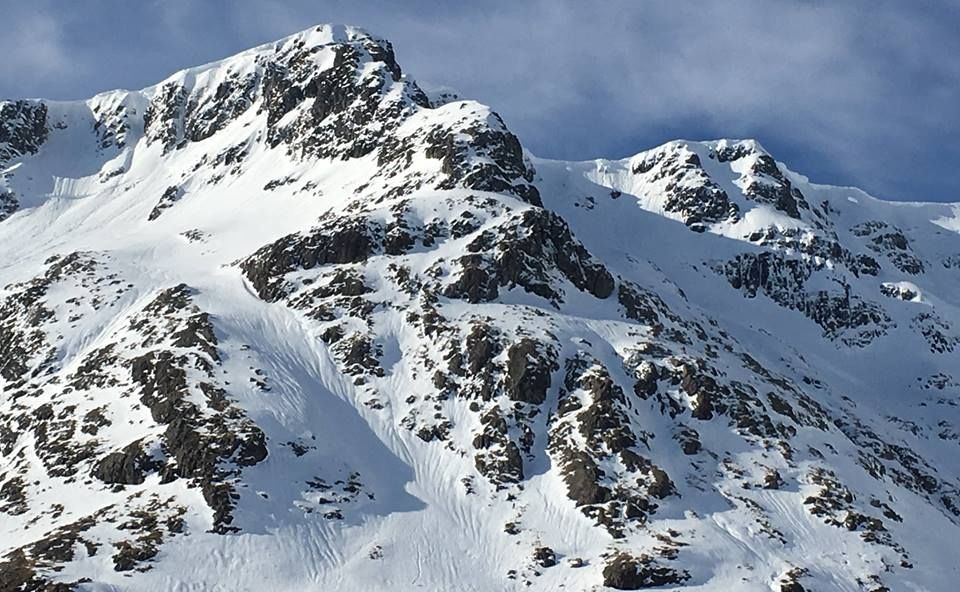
point(846, 91)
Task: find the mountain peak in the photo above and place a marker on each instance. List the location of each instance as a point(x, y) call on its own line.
point(313, 40)
point(733, 147)
point(330, 92)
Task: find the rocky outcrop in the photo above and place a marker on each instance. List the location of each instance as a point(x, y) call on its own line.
point(170, 196)
point(334, 241)
point(529, 366)
point(125, 467)
point(592, 429)
point(689, 191)
point(531, 250)
point(484, 156)
point(626, 572)
point(842, 314)
point(8, 204)
point(762, 180)
point(23, 128)
point(205, 446)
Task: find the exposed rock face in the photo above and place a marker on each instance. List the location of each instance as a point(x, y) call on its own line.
point(332, 325)
point(544, 557)
point(889, 241)
point(624, 572)
point(198, 445)
point(764, 181)
point(196, 440)
point(528, 372)
point(503, 168)
point(689, 191)
point(8, 204)
point(23, 128)
point(331, 102)
point(532, 251)
point(593, 428)
point(335, 241)
point(839, 312)
point(125, 467)
point(898, 291)
point(170, 196)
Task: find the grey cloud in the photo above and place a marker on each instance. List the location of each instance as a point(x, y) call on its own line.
point(33, 48)
point(847, 92)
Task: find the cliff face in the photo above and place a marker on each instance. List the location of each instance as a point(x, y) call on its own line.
point(284, 321)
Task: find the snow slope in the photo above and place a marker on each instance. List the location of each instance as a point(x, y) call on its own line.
point(284, 322)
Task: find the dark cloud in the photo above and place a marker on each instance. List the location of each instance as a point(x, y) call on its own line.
point(847, 92)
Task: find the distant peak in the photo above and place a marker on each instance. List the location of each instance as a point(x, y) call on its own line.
point(733, 146)
point(319, 36)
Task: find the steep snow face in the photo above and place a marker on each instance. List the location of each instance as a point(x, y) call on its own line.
point(284, 321)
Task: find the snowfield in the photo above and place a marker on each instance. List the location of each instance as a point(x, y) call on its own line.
point(287, 322)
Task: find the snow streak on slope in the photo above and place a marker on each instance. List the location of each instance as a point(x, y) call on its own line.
point(284, 322)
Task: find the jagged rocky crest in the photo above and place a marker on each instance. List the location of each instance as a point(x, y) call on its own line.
point(293, 315)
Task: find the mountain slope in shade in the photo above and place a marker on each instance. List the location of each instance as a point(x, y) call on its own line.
point(286, 321)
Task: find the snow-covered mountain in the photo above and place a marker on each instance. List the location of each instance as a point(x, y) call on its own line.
point(287, 322)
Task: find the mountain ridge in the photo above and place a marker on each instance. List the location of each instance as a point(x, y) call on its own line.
point(287, 314)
